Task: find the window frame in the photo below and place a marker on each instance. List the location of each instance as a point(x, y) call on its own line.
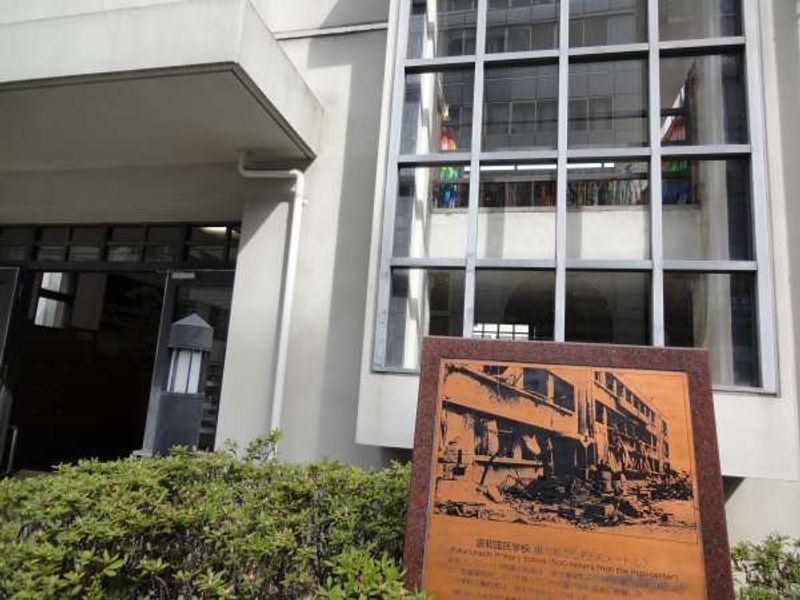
point(651, 52)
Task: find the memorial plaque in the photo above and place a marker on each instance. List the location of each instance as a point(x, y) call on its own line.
point(565, 471)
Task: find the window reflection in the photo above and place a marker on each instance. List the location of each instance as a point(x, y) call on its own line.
point(718, 312)
point(422, 302)
point(522, 25)
point(423, 224)
point(437, 114)
point(688, 19)
point(703, 100)
point(608, 104)
point(514, 304)
point(609, 216)
point(442, 28)
point(707, 209)
point(517, 216)
point(521, 108)
point(611, 308)
point(595, 23)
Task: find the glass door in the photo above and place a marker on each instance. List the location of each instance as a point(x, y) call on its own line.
point(209, 294)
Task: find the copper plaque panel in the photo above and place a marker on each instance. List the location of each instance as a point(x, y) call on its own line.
point(563, 471)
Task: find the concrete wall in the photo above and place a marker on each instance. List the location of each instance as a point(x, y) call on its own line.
point(252, 332)
point(345, 72)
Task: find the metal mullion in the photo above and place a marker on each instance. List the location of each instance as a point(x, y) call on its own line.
point(427, 263)
point(561, 178)
point(657, 334)
point(527, 56)
point(519, 155)
point(707, 151)
point(721, 43)
point(439, 158)
point(712, 266)
point(415, 65)
point(577, 264)
point(760, 199)
point(516, 264)
point(390, 189)
point(622, 50)
point(616, 153)
point(475, 175)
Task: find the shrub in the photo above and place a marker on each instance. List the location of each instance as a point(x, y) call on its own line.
point(203, 525)
point(769, 570)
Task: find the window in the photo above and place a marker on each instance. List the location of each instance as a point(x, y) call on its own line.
point(163, 246)
point(579, 170)
point(55, 296)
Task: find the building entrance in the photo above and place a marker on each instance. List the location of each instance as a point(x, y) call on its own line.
point(86, 352)
point(81, 364)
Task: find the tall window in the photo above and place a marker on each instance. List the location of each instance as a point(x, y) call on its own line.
point(578, 171)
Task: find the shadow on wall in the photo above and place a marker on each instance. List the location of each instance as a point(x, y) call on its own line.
point(331, 432)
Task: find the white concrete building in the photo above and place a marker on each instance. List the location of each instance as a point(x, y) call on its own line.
point(616, 171)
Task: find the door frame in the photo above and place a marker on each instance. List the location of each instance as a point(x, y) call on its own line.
point(174, 280)
point(6, 397)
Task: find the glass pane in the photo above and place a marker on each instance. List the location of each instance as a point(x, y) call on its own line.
point(158, 254)
point(608, 104)
point(124, 253)
point(522, 25)
point(611, 308)
point(84, 253)
point(51, 313)
point(707, 210)
point(517, 216)
point(717, 312)
point(87, 235)
point(689, 19)
point(61, 283)
point(127, 234)
point(14, 243)
point(431, 216)
point(13, 253)
point(18, 235)
point(514, 304)
point(422, 303)
point(606, 22)
point(520, 108)
point(703, 100)
point(49, 253)
point(442, 28)
point(54, 234)
point(608, 210)
point(437, 114)
point(207, 254)
point(209, 234)
point(163, 234)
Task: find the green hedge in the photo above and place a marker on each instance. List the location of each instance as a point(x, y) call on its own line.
point(204, 525)
point(214, 526)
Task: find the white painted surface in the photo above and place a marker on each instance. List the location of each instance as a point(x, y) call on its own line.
point(320, 408)
point(126, 38)
point(284, 16)
point(250, 359)
point(758, 507)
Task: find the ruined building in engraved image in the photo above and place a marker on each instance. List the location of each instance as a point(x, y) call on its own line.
point(525, 432)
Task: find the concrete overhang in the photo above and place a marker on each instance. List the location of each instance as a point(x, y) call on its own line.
point(101, 84)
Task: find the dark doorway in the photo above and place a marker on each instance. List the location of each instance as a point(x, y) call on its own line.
point(81, 364)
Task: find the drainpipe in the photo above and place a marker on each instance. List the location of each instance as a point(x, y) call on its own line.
point(287, 300)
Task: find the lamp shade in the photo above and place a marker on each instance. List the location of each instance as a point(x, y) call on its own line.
point(191, 333)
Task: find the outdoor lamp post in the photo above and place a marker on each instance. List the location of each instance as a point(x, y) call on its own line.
point(181, 405)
